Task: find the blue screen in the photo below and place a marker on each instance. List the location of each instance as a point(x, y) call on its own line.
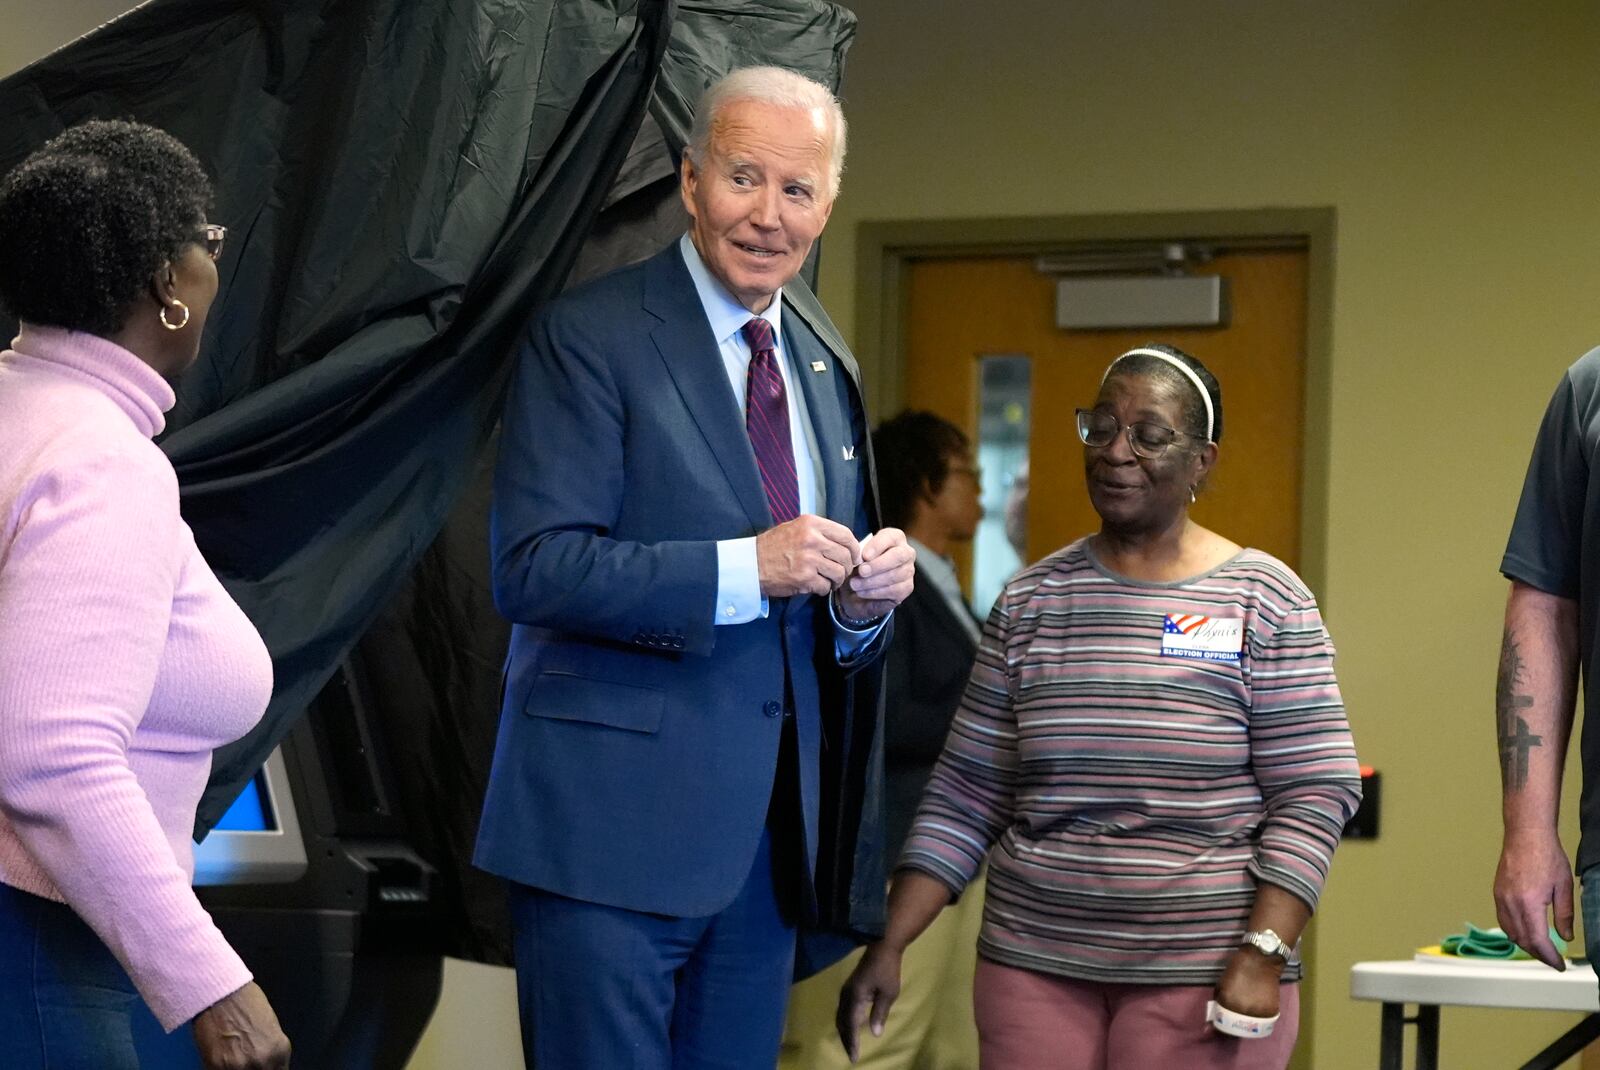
point(249, 812)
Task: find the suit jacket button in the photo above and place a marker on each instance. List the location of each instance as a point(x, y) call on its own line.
point(772, 709)
point(677, 642)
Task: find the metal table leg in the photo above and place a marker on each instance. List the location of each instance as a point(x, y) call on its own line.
point(1427, 1020)
point(1391, 1046)
point(1567, 1045)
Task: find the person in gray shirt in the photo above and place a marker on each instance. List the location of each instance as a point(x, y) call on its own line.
point(1553, 562)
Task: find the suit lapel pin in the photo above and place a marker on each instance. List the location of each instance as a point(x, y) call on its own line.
point(849, 452)
point(818, 366)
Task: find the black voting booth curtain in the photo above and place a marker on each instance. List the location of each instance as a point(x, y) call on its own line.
point(404, 182)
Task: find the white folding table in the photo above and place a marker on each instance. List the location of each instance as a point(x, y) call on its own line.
point(1486, 983)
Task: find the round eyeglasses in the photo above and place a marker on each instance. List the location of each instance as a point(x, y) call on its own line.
point(211, 237)
point(1146, 438)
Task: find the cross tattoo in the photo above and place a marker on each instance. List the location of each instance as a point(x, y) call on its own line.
point(1515, 739)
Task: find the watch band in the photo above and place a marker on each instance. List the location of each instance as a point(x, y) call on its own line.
point(1269, 944)
point(853, 623)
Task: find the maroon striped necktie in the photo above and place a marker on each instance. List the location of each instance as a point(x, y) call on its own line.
point(766, 419)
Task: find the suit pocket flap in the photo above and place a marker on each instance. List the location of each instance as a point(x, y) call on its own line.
point(563, 696)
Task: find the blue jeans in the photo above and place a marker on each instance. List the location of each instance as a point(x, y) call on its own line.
point(65, 1002)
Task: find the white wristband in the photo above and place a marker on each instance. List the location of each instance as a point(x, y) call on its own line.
point(1238, 1025)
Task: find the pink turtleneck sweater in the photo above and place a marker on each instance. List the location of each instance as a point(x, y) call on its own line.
point(123, 665)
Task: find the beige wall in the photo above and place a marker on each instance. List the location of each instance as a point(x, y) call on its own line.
point(35, 28)
point(1457, 142)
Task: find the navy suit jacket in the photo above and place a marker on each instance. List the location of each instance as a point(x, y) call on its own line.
point(639, 743)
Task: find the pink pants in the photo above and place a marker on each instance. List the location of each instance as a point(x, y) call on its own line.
point(1033, 1021)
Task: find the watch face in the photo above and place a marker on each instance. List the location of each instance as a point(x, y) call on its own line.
point(1268, 943)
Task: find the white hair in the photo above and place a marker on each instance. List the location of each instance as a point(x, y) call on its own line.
point(770, 85)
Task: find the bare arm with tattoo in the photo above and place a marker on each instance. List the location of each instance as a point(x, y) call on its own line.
point(1534, 710)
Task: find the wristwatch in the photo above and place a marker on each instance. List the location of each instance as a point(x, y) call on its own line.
point(853, 623)
point(1268, 943)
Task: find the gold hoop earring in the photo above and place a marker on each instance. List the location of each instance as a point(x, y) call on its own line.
point(181, 324)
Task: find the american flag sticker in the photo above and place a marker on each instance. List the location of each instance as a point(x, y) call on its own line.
point(1194, 635)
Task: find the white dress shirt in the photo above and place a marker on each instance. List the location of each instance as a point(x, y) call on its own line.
point(739, 597)
point(940, 572)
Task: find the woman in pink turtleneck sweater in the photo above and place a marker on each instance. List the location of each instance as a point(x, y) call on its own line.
point(123, 662)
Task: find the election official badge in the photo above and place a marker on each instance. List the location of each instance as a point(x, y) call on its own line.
point(1191, 635)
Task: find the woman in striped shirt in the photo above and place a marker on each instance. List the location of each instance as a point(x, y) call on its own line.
point(1153, 753)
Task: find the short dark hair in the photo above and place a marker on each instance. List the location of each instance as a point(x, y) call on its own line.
point(913, 453)
point(88, 219)
point(1194, 408)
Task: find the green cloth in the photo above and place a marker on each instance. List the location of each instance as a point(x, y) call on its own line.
point(1479, 943)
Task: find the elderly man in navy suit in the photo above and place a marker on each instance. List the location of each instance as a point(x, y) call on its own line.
point(683, 538)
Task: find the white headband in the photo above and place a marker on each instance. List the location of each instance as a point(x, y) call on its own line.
point(1205, 395)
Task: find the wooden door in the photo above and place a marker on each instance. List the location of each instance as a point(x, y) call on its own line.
point(962, 309)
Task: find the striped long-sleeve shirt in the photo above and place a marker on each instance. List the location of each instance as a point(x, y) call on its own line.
point(1140, 755)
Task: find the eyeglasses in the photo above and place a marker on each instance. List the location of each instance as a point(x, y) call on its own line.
point(211, 237)
point(966, 470)
point(1146, 438)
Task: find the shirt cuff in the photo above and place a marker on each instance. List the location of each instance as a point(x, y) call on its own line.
point(848, 641)
point(739, 598)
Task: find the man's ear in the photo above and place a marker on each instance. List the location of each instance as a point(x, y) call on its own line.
point(688, 179)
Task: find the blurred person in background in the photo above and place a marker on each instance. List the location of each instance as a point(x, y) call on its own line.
point(1016, 513)
point(929, 486)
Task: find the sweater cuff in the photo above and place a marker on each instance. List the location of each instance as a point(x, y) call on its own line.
point(208, 974)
